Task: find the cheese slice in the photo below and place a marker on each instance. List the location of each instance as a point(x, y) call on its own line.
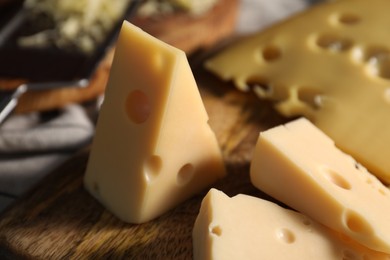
point(300, 166)
point(153, 147)
point(330, 64)
point(246, 227)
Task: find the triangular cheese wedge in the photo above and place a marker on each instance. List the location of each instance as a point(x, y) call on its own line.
point(153, 146)
point(330, 64)
point(300, 166)
point(246, 227)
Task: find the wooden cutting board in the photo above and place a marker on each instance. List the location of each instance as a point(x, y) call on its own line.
point(59, 219)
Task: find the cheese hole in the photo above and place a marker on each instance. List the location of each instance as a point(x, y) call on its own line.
point(152, 167)
point(310, 96)
point(335, 178)
point(271, 53)
point(380, 67)
point(378, 61)
point(356, 223)
point(216, 230)
point(262, 91)
point(185, 173)
point(285, 235)
point(374, 53)
point(260, 87)
point(334, 43)
point(137, 106)
point(349, 19)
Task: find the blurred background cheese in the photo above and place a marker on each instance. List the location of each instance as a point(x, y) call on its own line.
point(158, 7)
point(80, 24)
point(329, 64)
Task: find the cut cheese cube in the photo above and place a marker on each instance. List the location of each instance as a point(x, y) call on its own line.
point(300, 166)
point(246, 227)
point(153, 147)
point(330, 64)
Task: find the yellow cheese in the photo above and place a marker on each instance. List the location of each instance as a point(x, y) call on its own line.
point(330, 64)
point(299, 165)
point(153, 147)
point(245, 227)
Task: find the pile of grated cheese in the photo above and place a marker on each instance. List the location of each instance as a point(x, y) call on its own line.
point(192, 7)
point(80, 24)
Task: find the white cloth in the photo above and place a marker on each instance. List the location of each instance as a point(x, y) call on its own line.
point(255, 15)
point(32, 145)
point(33, 133)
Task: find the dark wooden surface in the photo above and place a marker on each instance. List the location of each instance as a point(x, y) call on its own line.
point(59, 219)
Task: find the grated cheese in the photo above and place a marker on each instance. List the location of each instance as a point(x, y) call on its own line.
point(80, 24)
point(192, 7)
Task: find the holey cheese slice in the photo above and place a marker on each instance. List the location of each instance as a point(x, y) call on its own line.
point(330, 64)
point(300, 166)
point(153, 147)
point(246, 227)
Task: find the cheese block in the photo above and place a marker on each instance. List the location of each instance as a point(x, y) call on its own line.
point(246, 227)
point(329, 64)
point(300, 166)
point(153, 147)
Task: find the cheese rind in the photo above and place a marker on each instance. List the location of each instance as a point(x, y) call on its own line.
point(246, 227)
point(153, 147)
point(300, 166)
point(329, 64)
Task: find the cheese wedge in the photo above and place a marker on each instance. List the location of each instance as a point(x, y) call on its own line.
point(246, 227)
point(330, 64)
point(153, 147)
point(300, 166)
